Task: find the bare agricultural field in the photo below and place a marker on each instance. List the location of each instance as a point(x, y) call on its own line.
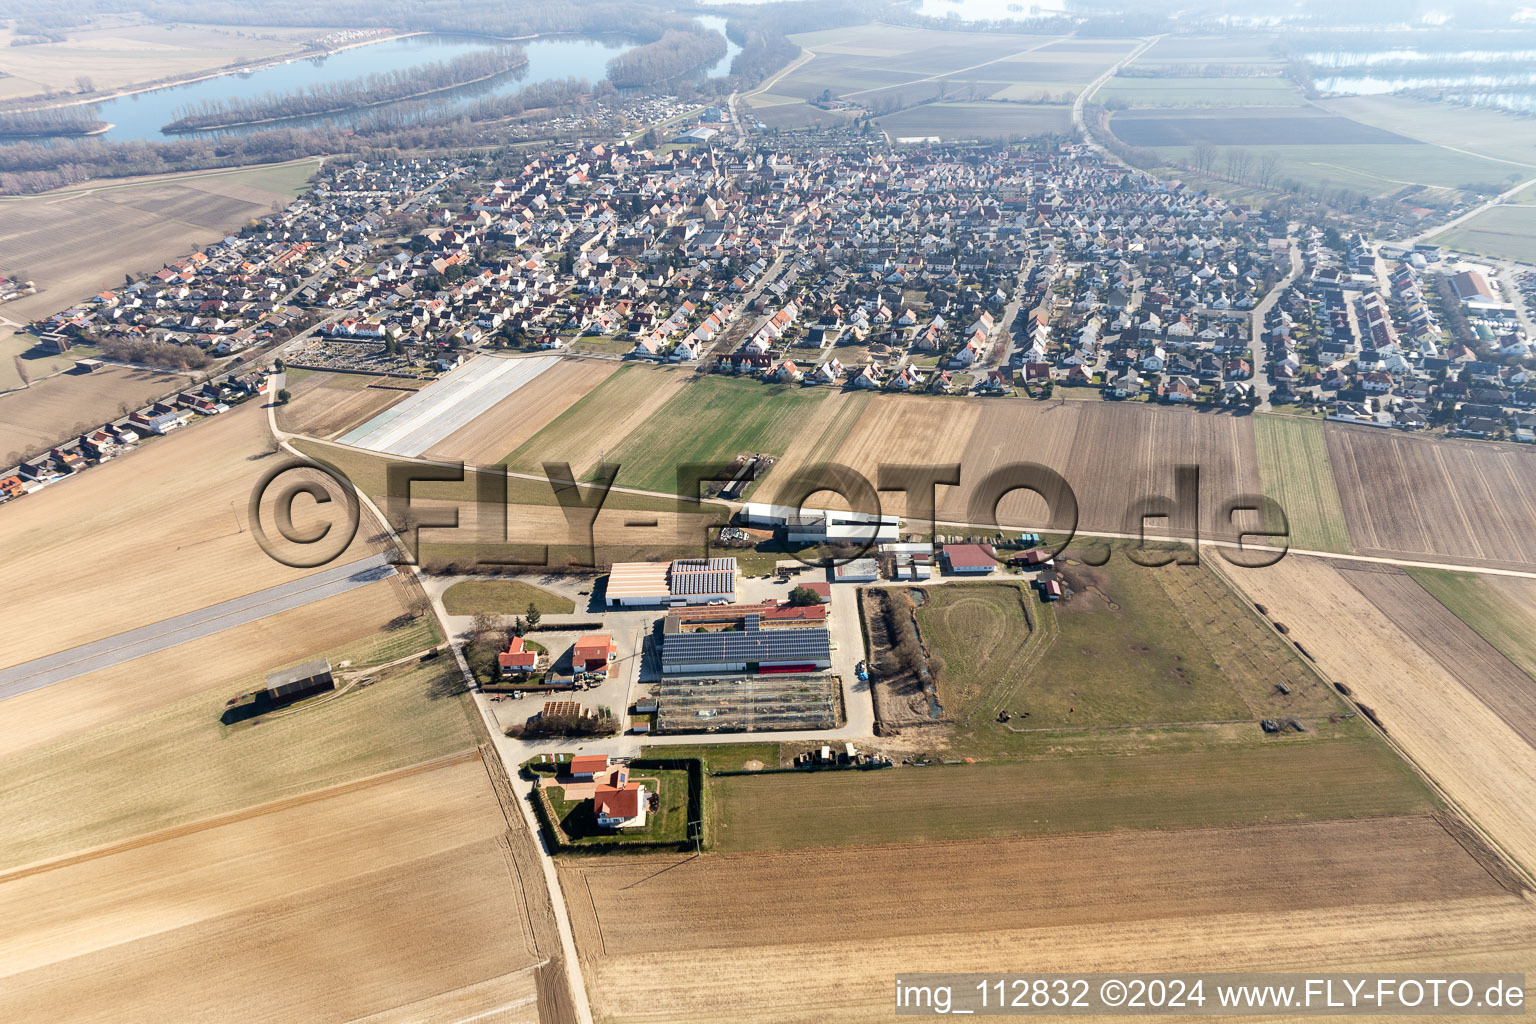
point(1250, 127)
point(977, 120)
point(358, 623)
point(122, 55)
point(1113, 455)
point(128, 227)
point(667, 931)
point(599, 420)
point(1480, 762)
point(38, 417)
point(1476, 664)
point(530, 528)
point(1277, 781)
point(522, 414)
point(1421, 497)
point(889, 430)
point(170, 519)
point(1181, 91)
point(181, 762)
point(328, 404)
point(1501, 609)
point(912, 64)
point(1294, 468)
point(1374, 169)
point(420, 905)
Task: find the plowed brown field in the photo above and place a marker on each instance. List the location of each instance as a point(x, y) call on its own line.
point(329, 404)
point(155, 533)
point(1419, 497)
point(529, 409)
point(1475, 663)
point(671, 932)
point(408, 881)
point(1112, 456)
point(1480, 762)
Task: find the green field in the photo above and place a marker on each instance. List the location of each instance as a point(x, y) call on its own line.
point(990, 636)
point(180, 763)
point(503, 597)
point(1491, 613)
point(368, 473)
point(1372, 169)
point(1507, 232)
point(1295, 471)
point(1490, 133)
point(718, 757)
point(1201, 92)
point(1274, 781)
point(713, 419)
point(1137, 659)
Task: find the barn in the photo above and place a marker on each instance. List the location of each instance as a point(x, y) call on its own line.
point(301, 680)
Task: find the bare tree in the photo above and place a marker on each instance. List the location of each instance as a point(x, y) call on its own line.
point(84, 83)
point(1269, 166)
point(1205, 156)
point(1238, 162)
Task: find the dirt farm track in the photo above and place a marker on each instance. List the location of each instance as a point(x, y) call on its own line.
point(670, 931)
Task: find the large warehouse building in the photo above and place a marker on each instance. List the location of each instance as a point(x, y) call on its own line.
point(752, 646)
point(681, 582)
point(822, 526)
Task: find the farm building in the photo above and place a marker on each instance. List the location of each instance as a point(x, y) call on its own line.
point(821, 588)
point(749, 647)
point(301, 680)
point(819, 526)
point(770, 615)
point(1471, 286)
point(585, 766)
point(909, 561)
point(684, 581)
point(594, 652)
point(860, 570)
point(969, 559)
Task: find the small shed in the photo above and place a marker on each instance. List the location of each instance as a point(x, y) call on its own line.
point(310, 677)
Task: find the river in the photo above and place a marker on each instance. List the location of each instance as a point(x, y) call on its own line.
point(141, 115)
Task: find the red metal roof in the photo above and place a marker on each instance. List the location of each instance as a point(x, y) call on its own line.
point(969, 556)
point(589, 764)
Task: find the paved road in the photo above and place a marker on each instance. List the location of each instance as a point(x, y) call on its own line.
point(1093, 87)
point(158, 636)
point(1502, 197)
point(1263, 387)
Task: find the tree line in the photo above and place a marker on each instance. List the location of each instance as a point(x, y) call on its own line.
point(675, 54)
point(333, 97)
point(55, 121)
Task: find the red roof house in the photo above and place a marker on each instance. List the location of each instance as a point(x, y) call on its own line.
point(593, 653)
point(517, 657)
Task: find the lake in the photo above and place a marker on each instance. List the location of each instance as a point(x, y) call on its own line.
point(141, 115)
